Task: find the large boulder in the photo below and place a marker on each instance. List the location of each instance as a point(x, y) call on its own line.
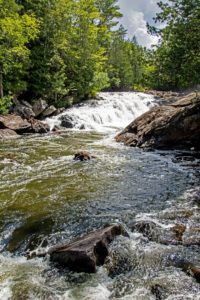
point(7, 134)
point(49, 111)
point(23, 109)
point(38, 126)
point(39, 107)
point(83, 254)
point(172, 126)
point(18, 125)
point(15, 123)
point(67, 121)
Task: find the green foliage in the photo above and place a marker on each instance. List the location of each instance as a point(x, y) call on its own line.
point(65, 49)
point(177, 59)
point(5, 104)
point(125, 61)
point(139, 88)
point(16, 31)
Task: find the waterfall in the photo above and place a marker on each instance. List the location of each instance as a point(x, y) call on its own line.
point(113, 111)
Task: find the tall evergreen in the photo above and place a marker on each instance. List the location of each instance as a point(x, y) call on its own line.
point(177, 59)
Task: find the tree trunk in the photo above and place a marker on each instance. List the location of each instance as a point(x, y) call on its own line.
point(1, 81)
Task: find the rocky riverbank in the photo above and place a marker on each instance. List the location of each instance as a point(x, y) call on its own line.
point(172, 126)
point(25, 118)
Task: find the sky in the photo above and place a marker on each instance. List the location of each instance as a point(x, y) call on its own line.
point(136, 14)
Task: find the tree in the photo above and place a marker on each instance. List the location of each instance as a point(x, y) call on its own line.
point(16, 31)
point(178, 54)
point(67, 58)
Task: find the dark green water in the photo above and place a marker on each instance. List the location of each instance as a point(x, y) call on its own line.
point(47, 197)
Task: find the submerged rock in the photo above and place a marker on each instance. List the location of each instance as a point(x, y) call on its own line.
point(158, 291)
point(187, 266)
point(171, 126)
point(179, 230)
point(83, 156)
point(148, 228)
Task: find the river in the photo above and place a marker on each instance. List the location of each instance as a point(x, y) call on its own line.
point(47, 197)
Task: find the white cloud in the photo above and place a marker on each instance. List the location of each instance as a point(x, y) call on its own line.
point(136, 14)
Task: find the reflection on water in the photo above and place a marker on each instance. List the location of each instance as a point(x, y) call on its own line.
point(47, 197)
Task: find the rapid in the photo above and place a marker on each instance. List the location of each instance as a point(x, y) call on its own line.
point(46, 198)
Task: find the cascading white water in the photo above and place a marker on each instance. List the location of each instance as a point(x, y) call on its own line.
point(114, 111)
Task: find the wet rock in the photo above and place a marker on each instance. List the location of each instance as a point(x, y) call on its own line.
point(67, 121)
point(86, 253)
point(186, 266)
point(39, 107)
point(15, 123)
point(83, 156)
point(38, 127)
point(165, 127)
point(158, 292)
point(56, 128)
point(148, 228)
point(179, 230)
point(192, 236)
point(23, 109)
point(49, 111)
point(59, 111)
point(7, 134)
point(194, 195)
point(82, 127)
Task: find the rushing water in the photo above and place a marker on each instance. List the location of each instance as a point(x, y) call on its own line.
point(46, 197)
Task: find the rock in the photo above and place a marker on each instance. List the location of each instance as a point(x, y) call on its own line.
point(51, 110)
point(83, 254)
point(158, 292)
point(38, 127)
point(20, 126)
point(59, 111)
point(82, 127)
point(148, 228)
point(23, 109)
point(67, 121)
point(7, 134)
point(56, 128)
point(187, 266)
point(83, 156)
point(192, 236)
point(194, 195)
point(179, 230)
point(39, 107)
point(167, 127)
point(15, 123)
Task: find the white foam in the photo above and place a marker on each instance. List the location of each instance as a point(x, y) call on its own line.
point(5, 290)
point(115, 111)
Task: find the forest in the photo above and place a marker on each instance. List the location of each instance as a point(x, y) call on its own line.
point(65, 51)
